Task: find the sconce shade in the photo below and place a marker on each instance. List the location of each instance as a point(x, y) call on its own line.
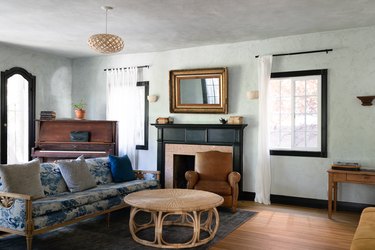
point(253, 94)
point(152, 98)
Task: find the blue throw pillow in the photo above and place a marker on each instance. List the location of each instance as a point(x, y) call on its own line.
point(121, 168)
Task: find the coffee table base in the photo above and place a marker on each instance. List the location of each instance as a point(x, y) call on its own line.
point(185, 219)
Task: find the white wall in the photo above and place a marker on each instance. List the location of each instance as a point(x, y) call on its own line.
point(53, 77)
point(351, 72)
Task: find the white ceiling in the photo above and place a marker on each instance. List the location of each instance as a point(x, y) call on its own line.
point(62, 27)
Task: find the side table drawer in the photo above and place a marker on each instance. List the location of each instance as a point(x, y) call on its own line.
point(339, 177)
point(361, 178)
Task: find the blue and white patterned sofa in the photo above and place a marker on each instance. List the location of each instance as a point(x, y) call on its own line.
point(19, 214)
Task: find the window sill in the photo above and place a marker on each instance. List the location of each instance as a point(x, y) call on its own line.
point(322, 154)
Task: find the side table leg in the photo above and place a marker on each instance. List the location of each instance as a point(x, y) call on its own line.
point(330, 186)
point(334, 196)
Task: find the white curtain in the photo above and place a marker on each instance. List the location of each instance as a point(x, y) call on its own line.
point(263, 169)
point(125, 105)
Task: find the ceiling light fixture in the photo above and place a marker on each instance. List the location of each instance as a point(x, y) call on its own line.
point(106, 43)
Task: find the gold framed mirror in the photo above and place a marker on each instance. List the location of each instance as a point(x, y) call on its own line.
point(198, 91)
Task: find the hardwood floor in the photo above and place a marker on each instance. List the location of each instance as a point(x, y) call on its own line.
point(291, 227)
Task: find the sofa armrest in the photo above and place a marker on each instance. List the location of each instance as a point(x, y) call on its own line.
point(192, 178)
point(147, 174)
point(16, 212)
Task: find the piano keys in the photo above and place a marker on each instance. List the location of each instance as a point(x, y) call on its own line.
point(53, 139)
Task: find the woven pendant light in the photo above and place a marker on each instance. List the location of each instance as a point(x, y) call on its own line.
point(106, 43)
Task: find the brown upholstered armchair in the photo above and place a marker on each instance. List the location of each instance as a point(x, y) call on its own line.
point(214, 173)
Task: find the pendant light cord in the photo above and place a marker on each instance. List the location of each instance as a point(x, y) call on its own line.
point(106, 18)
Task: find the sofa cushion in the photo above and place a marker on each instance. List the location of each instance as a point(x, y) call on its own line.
point(76, 174)
point(217, 187)
point(74, 212)
point(27, 174)
point(99, 168)
point(69, 200)
point(128, 187)
point(52, 180)
point(121, 168)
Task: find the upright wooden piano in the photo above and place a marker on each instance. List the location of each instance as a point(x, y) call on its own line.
point(53, 139)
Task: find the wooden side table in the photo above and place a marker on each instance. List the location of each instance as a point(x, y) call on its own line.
point(335, 176)
point(188, 204)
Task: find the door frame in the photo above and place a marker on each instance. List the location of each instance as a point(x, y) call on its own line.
point(4, 120)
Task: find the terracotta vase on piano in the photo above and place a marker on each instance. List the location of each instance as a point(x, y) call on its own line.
point(80, 114)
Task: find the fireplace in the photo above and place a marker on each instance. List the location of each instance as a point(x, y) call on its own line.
point(176, 142)
point(181, 164)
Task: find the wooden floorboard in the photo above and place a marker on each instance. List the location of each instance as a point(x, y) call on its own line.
point(291, 227)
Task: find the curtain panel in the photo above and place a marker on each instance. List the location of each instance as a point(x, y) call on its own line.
point(263, 169)
point(125, 105)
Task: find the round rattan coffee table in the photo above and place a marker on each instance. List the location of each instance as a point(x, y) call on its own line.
point(189, 206)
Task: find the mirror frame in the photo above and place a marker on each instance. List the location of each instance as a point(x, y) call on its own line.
point(175, 76)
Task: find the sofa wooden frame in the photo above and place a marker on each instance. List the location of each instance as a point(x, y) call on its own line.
point(7, 200)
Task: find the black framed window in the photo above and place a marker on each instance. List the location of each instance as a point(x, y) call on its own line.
point(143, 136)
point(298, 113)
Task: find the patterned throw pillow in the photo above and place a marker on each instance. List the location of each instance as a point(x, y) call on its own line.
point(22, 179)
point(52, 180)
point(99, 168)
point(76, 174)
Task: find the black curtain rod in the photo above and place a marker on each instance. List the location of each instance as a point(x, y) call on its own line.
point(302, 52)
point(138, 67)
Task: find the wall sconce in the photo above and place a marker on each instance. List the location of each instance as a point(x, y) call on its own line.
point(366, 100)
point(152, 98)
point(252, 95)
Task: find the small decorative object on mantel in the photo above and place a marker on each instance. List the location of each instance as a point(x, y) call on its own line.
point(223, 121)
point(366, 100)
point(235, 120)
point(47, 115)
point(339, 165)
point(164, 120)
point(79, 109)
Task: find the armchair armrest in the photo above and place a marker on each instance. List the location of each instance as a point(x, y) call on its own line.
point(234, 178)
point(192, 178)
point(141, 174)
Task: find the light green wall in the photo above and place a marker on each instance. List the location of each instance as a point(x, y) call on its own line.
point(53, 77)
point(351, 72)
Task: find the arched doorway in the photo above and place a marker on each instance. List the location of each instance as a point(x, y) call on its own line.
point(17, 115)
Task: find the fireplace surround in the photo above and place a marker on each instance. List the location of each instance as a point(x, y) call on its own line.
point(187, 139)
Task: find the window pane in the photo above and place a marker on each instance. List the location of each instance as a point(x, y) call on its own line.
point(285, 140)
point(299, 139)
point(300, 88)
point(312, 122)
point(286, 106)
point(275, 105)
point(286, 88)
point(312, 139)
point(312, 105)
point(285, 122)
point(275, 122)
point(275, 88)
point(274, 139)
point(299, 107)
point(299, 123)
point(312, 87)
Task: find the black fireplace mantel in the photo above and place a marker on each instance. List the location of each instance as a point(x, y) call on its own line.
point(201, 134)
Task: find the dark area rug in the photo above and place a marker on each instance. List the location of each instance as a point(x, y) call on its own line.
point(94, 234)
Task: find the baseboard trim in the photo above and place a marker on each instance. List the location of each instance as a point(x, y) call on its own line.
point(307, 202)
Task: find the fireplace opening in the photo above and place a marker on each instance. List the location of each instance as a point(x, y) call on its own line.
point(181, 164)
